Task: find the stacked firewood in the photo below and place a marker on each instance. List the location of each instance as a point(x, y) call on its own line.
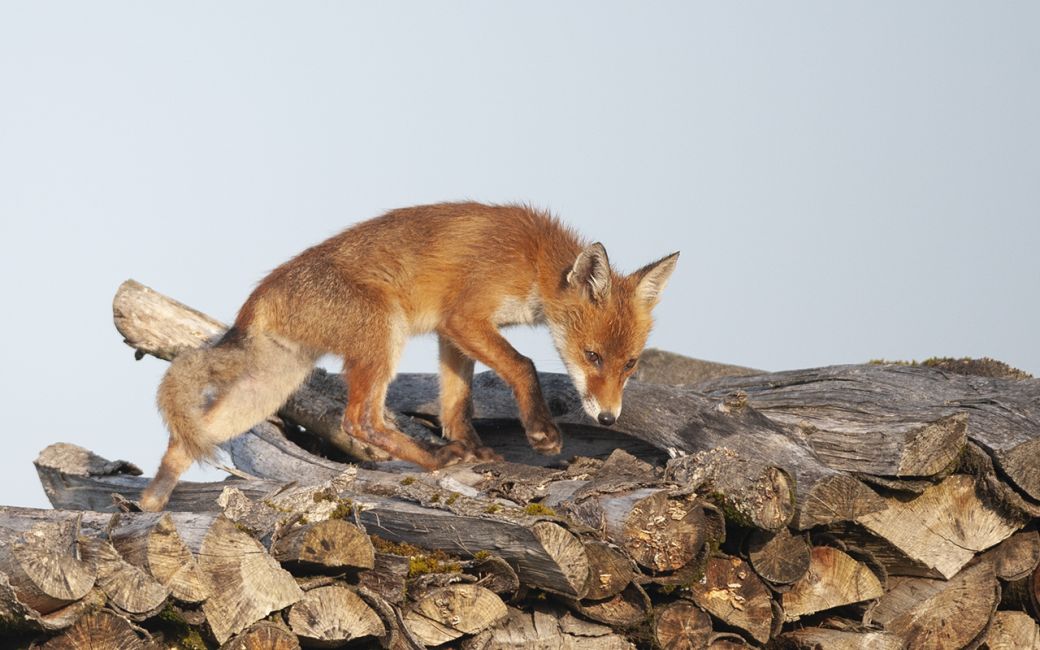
point(869, 506)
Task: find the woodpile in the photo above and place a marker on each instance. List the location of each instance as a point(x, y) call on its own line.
point(866, 506)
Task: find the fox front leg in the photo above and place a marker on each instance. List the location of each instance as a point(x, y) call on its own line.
point(483, 342)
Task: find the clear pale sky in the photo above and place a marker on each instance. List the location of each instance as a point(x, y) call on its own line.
point(845, 180)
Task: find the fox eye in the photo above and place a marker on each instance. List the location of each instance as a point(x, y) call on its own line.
point(593, 358)
point(631, 364)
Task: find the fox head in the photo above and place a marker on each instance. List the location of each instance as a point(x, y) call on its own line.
point(601, 326)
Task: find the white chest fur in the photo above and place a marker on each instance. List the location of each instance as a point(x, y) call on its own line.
point(520, 311)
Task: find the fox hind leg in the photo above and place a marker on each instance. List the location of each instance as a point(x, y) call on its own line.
point(456, 378)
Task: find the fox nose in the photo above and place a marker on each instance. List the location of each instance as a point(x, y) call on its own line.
point(606, 418)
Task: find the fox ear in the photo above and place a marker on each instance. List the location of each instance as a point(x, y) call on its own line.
point(653, 277)
point(591, 273)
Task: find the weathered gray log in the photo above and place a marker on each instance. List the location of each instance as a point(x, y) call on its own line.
point(668, 418)
point(663, 367)
point(866, 408)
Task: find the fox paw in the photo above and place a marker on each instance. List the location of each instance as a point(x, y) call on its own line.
point(545, 438)
point(461, 452)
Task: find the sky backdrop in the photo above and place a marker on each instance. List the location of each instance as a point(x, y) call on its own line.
point(845, 180)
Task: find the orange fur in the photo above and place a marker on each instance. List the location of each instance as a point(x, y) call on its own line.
point(461, 270)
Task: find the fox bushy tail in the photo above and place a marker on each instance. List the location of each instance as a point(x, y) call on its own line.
point(211, 395)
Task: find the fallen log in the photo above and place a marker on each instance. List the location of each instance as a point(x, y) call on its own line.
point(866, 408)
point(663, 367)
point(668, 418)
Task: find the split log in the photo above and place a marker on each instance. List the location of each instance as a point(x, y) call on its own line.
point(245, 583)
point(610, 571)
point(42, 566)
point(546, 629)
point(668, 418)
point(128, 588)
point(329, 544)
point(731, 592)
point(939, 531)
point(681, 625)
point(448, 613)
point(1016, 557)
point(752, 492)
point(629, 608)
point(833, 579)
point(927, 613)
point(779, 558)
point(1013, 631)
point(328, 617)
point(153, 543)
point(264, 635)
point(99, 631)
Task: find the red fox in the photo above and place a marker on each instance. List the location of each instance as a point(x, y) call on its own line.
point(462, 270)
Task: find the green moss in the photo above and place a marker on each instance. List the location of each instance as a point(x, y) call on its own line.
point(178, 632)
point(344, 509)
point(539, 509)
point(436, 497)
point(323, 495)
point(274, 506)
point(480, 556)
point(492, 508)
point(435, 562)
point(451, 498)
point(408, 480)
point(394, 548)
